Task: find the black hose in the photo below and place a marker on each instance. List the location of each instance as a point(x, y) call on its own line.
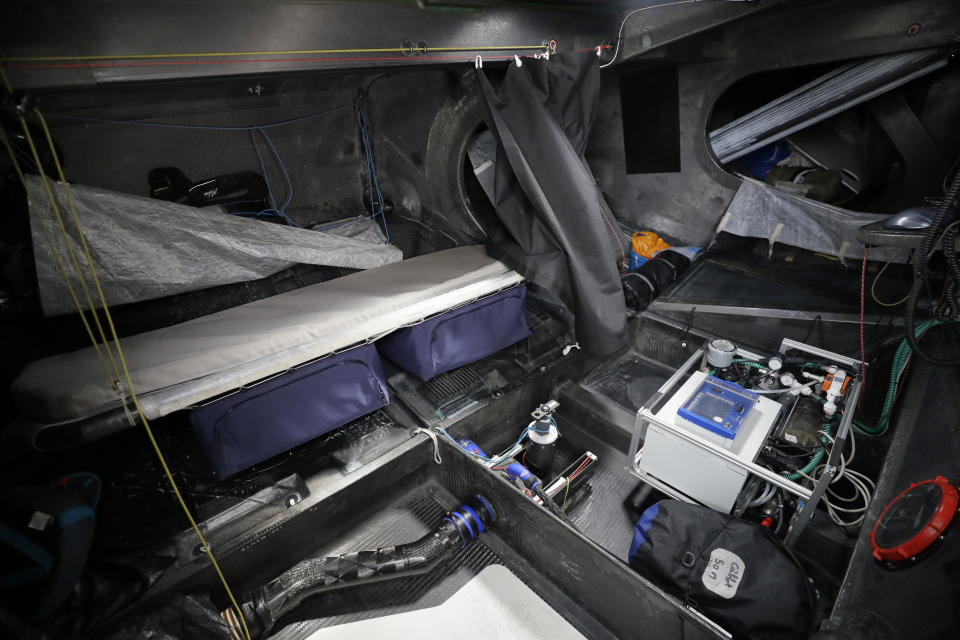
point(951, 298)
point(950, 306)
point(262, 607)
point(919, 273)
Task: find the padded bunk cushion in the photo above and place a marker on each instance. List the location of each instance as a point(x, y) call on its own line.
point(247, 427)
point(460, 336)
point(188, 363)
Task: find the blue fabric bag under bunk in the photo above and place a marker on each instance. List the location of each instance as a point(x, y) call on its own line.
point(735, 571)
point(242, 429)
point(461, 336)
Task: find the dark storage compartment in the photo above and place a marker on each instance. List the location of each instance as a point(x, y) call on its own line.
point(258, 422)
point(404, 497)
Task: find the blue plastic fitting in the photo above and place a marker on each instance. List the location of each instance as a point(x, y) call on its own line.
point(517, 470)
point(472, 447)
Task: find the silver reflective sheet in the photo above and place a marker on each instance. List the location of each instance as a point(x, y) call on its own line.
point(760, 211)
point(144, 248)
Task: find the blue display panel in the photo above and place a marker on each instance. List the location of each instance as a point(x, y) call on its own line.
point(718, 406)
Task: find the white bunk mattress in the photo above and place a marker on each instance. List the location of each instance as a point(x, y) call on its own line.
point(182, 365)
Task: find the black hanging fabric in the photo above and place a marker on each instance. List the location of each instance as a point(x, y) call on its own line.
point(562, 235)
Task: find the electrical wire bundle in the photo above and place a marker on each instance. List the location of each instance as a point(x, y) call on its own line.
point(838, 506)
point(507, 453)
point(567, 477)
point(898, 369)
point(373, 184)
point(844, 510)
point(949, 307)
point(281, 211)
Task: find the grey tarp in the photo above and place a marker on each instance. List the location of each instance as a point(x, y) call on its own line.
point(760, 211)
point(144, 248)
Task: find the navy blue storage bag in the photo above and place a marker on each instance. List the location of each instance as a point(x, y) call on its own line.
point(460, 336)
point(247, 427)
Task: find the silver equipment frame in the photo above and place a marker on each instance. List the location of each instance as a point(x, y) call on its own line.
point(807, 498)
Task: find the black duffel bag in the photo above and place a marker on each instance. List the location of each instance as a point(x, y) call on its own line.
point(734, 571)
point(640, 287)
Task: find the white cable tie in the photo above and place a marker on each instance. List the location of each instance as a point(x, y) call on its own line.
point(772, 240)
point(478, 62)
point(570, 347)
point(123, 403)
point(843, 253)
point(436, 445)
point(517, 60)
point(724, 220)
point(599, 50)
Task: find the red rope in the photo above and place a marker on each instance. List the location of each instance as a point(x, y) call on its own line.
point(161, 63)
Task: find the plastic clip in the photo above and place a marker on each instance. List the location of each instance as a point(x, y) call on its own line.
point(516, 58)
point(478, 62)
point(570, 347)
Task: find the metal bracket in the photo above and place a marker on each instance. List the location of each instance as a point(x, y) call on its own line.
point(811, 497)
point(545, 410)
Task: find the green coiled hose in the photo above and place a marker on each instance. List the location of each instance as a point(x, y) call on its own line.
point(749, 363)
point(814, 461)
point(899, 362)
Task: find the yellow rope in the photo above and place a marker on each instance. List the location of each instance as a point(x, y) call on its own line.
point(129, 380)
point(71, 252)
point(106, 310)
point(115, 379)
point(56, 257)
point(873, 289)
point(13, 158)
point(223, 54)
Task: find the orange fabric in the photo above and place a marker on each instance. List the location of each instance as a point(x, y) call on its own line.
point(647, 243)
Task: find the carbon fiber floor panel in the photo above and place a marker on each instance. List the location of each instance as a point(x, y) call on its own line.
point(406, 521)
point(628, 382)
point(601, 514)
